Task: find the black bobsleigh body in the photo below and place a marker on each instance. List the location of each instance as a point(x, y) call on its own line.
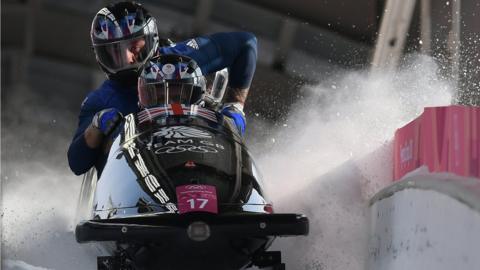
point(181, 191)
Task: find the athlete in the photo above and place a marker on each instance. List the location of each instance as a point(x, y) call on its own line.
point(124, 36)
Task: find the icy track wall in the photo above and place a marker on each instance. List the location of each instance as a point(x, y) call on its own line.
point(426, 221)
point(335, 152)
point(330, 156)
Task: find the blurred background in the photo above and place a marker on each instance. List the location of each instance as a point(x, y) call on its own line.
point(48, 67)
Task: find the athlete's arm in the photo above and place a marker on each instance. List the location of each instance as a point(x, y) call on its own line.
point(235, 50)
point(241, 48)
point(84, 148)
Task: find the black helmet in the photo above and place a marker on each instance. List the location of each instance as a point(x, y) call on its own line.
point(124, 36)
point(171, 79)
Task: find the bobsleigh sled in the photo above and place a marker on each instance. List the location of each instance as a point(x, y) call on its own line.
point(181, 191)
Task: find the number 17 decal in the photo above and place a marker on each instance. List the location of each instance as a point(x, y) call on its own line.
point(197, 198)
point(203, 202)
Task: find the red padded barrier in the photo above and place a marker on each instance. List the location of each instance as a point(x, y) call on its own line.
point(445, 139)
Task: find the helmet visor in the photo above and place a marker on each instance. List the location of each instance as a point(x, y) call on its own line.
point(124, 54)
point(157, 94)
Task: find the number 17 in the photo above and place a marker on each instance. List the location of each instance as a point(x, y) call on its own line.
point(203, 202)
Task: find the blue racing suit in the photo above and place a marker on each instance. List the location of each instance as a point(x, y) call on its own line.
point(236, 50)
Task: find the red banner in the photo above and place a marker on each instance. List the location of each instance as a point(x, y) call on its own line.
point(445, 139)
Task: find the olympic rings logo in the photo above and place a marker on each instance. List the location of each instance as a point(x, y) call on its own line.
point(202, 149)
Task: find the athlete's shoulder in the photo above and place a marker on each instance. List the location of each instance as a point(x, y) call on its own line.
point(186, 47)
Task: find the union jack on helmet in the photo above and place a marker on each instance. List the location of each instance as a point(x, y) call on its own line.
point(171, 79)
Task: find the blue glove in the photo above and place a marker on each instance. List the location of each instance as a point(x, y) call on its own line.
point(237, 116)
point(107, 120)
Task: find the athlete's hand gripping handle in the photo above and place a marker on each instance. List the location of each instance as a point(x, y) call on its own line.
point(107, 120)
point(235, 112)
